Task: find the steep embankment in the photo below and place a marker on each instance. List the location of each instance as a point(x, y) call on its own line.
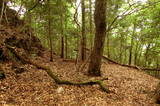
point(15, 33)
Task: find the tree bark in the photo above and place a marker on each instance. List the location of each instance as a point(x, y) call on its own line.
point(131, 47)
point(135, 54)
point(121, 48)
point(146, 54)
point(83, 36)
point(108, 44)
point(91, 25)
point(139, 55)
point(66, 46)
point(49, 31)
point(62, 30)
point(100, 23)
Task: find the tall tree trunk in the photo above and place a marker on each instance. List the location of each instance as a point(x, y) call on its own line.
point(140, 55)
point(62, 30)
point(66, 40)
point(100, 23)
point(157, 63)
point(131, 47)
point(66, 47)
point(136, 53)
point(83, 36)
point(108, 45)
point(125, 61)
point(121, 46)
point(49, 31)
point(90, 23)
point(146, 54)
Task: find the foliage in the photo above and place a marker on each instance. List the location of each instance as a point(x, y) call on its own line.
point(122, 15)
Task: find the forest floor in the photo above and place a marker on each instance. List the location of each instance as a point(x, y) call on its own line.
point(129, 87)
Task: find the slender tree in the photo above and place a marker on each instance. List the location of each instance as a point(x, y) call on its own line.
point(100, 24)
point(90, 23)
point(49, 31)
point(66, 43)
point(136, 52)
point(83, 36)
point(131, 47)
point(62, 30)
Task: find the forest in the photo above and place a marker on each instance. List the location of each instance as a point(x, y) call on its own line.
point(80, 52)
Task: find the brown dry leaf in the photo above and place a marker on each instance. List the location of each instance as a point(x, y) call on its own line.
point(129, 87)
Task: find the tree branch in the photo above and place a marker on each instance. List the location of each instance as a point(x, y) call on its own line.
point(123, 15)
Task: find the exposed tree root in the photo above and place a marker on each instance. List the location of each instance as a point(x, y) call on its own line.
point(54, 76)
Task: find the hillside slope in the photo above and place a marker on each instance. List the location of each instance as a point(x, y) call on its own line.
point(34, 87)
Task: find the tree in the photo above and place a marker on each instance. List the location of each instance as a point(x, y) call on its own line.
point(100, 24)
point(131, 47)
point(49, 31)
point(83, 36)
point(90, 23)
point(62, 29)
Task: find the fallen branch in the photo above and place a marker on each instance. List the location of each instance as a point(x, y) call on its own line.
point(151, 69)
point(130, 66)
point(54, 76)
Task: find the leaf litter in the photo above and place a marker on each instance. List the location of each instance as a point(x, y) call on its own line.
point(129, 87)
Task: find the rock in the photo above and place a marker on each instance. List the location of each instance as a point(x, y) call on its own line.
point(60, 90)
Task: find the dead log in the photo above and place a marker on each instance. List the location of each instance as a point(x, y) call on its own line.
point(54, 76)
